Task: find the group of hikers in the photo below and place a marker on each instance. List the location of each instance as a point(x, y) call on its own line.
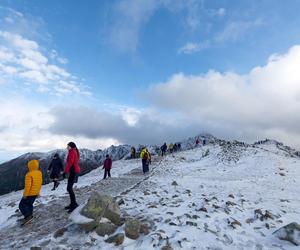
point(34, 178)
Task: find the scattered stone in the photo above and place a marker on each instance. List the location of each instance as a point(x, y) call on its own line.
point(167, 247)
point(171, 213)
point(118, 239)
point(152, 206)
point(105, 229)
point(250, 220)
point(191, 223)
point(144, 229)
point(121, 202)
point(173, 224)
point(132, 228)
point(188, 215)
point(175, 196)
point(282, 174)
point(195, 217)
point(290, 232)
point(60, 232)
point(146, 193)
point(167, 221)
point(35, 248)
point(11, 204)
point(233, 223)
point(174, 183)
point(202, 209)
point(231, 196)
point(230, 203)
point(216, 206)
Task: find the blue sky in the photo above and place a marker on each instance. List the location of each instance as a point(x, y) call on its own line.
point(132, 61)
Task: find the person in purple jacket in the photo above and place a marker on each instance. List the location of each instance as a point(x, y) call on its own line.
point(107, 166)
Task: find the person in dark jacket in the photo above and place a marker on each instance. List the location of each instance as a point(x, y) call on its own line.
point(132, 153)
point(107, 166)
point(163, 149)
point(179, 146)
point(73, 168)
point(56, 168)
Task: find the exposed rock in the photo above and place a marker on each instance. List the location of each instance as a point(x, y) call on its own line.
point(190, 223)
point(132, 228)
point(167, 247)
point(35, 248)
point(88, 227)
point(145, 229)
point(60, 232)
point(100, 205)
point(105, 229)
point(118, 239)
point(290, 232)
point(174, 183)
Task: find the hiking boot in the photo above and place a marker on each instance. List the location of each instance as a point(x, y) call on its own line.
point(68, 207)
point(72, 208)
point(27, 220)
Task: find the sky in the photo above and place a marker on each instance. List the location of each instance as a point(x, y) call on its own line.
point(147, 71)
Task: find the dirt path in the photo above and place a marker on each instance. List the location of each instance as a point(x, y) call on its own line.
point(52, 216)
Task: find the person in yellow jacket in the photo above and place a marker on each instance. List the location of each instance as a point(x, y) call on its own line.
point(146, 159)
point(171, 147)
point(33, 183)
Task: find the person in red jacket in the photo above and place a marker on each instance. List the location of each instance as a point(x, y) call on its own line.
point(73, 169)
point(107, 166)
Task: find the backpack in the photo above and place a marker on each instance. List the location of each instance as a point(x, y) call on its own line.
point(146, 155)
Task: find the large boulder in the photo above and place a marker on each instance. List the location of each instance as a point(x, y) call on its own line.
point(132, 228)
point(106, 228)
point(290, 232)
point(99, 206)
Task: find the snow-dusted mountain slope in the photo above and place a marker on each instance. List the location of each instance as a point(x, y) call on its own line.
point(12, 172)
point(220, 196)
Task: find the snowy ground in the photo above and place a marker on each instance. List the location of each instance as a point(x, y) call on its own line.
point(204, 198)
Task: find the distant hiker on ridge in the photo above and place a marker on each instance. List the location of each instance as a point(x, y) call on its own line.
point(197, 142)
point(56, 168)
point(73, 168)
point(33, 183)
point(171, 146)
point(132, 153)
point(146, 159)
point(107, 166)
point(163, 149)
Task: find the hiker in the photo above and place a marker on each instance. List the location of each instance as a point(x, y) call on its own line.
point(171, 148)
point(175, 148)
point(197, 142)
point(163, 149)
point(204, 142)
point(56, 168)
point(33, 183)
point(132, 153)
point(146, 158)
point(107, 166)
point(179, 146)
point(73, 169)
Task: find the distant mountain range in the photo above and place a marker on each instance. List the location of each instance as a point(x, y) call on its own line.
point(12, 172)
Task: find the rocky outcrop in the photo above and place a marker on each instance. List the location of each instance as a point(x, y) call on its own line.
point(132, 228)
point(290, 232)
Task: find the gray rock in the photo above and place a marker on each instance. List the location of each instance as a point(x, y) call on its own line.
point(290, 232)
point(118, 239)
point(100, 205)
point(35, 248)
point(88, 227)
point(132, 229)
point(106, 229)
point(60, 232)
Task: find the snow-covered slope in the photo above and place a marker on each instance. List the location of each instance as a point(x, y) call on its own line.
point(225, 195)
point(13, 172)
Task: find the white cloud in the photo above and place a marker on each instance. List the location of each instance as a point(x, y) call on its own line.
point(236, 30)
point(191, 48)
point(23, 59)
point(264, 102)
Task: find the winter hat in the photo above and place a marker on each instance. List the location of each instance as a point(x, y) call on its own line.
point(107, 156)
point(56, 155)
point(72, 145)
